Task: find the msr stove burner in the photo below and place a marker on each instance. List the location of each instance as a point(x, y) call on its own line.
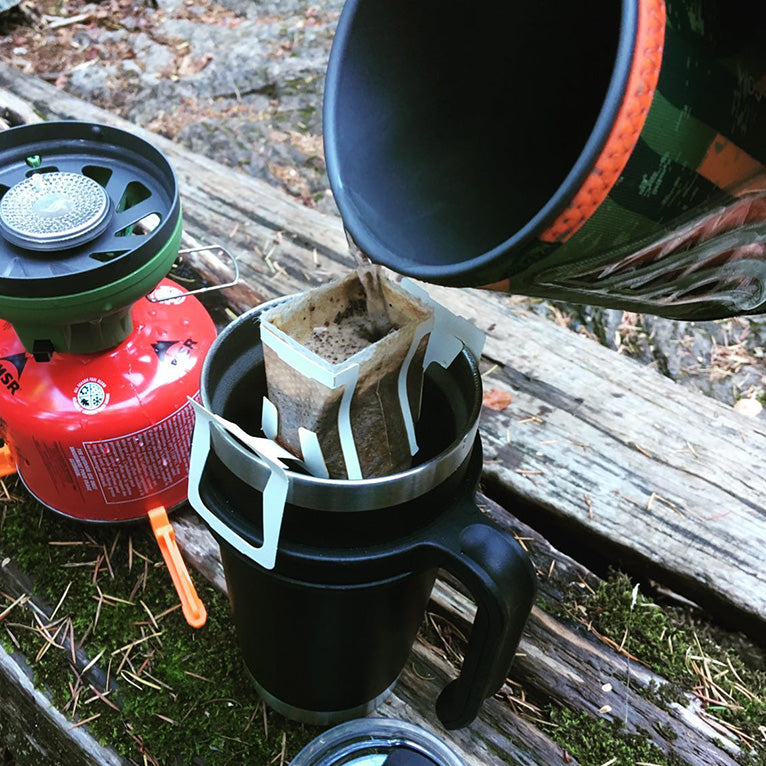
point(90, 222)
point(54, 211)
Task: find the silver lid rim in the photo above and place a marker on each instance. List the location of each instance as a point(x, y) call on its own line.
point(341, 495)
point(353, 738)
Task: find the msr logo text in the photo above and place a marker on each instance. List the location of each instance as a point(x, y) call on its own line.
point(7, 379)
point(11, 368)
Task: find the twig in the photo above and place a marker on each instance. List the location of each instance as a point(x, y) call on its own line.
point(20, 600)
point(97, 695)
point(92, 662)
point(59, 22)
point(61, 601)
point(140, 680)
point(135, 643)
point(633, 599)
point(84, 721)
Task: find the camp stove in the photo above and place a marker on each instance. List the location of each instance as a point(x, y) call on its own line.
point(99, 352)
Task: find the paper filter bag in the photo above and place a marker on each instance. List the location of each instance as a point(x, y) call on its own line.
point(344, 371)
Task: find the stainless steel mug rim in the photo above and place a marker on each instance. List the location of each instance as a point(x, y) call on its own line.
point(342, 495)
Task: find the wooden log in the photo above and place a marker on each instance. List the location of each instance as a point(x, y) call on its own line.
point(556, 659)
point(30, 724)
point(36, 731)
point(498, 736)
point(15, 111)
point(669, 482)
point(564, 665)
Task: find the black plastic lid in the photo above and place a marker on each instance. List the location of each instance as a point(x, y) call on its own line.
point(377, 742)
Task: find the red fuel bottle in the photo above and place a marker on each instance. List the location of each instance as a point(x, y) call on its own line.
point(105, 436)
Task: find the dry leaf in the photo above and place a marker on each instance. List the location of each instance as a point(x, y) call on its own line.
point(189, 65)
point(496, 399)
point(310, 145)
point(292, 180)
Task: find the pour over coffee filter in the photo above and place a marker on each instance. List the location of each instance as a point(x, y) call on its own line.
point(346, 377)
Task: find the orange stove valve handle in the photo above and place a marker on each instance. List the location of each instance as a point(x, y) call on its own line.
point(193, 608)
point(7, 463)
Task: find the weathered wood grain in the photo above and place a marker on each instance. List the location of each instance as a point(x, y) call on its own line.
point(667, 480)
point(592, 440)
point(560, 663)
point(498, 736)
point(36, 731)
point(556, 661)
point(30, 724)
point(16, 111)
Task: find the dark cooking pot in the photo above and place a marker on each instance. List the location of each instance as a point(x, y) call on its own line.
point(609, 152)
point(326, 632)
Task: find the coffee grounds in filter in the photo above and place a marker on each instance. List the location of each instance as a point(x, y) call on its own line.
point(335, 327)
point(348, 333)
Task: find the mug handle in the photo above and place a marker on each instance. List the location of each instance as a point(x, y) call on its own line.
point(499, 575)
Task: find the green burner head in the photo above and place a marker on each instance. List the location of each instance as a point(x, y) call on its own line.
point(86, 229)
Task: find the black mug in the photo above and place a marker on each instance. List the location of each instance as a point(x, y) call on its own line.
point(326, 632)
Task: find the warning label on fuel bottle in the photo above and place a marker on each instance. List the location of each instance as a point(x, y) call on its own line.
point(90, 394)
point(143, 463)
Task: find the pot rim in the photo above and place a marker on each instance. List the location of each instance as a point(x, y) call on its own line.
point(364, 735)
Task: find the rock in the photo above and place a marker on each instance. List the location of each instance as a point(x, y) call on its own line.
point(153, 56)
point(92, 82)
point(113, 35)
point(718, 358)
point(228, 144)
point(130, 23)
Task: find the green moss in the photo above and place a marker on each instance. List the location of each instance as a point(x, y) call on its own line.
point(674, 649)
point(651, 636)
point(203, 706)
point(595, 741)
point(669, 734)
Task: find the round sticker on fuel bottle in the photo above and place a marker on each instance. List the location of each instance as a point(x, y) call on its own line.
point(90, 394)
point(168, 294)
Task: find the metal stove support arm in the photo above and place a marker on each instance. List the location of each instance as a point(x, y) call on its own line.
point(211, 288)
